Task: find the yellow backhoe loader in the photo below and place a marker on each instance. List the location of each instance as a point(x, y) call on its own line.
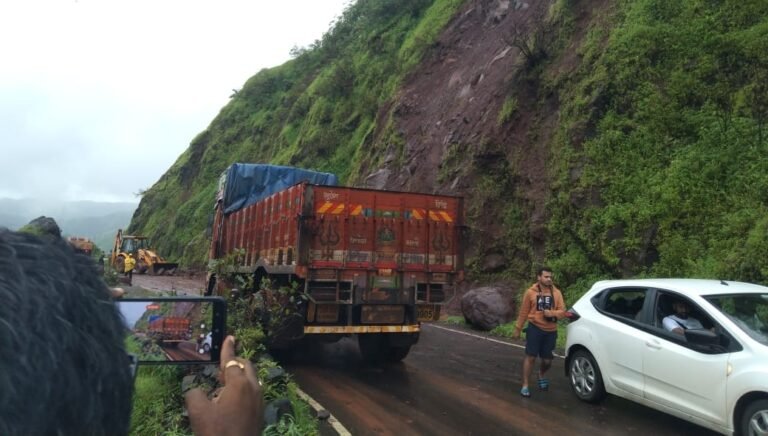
point(147, 260)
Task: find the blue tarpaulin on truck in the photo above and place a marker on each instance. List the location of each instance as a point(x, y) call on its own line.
point(242, 184)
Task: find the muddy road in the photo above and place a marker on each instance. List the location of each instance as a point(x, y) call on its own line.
point(455, 384)
point(185, 351)
point(180, 284)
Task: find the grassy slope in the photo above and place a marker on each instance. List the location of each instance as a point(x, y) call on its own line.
point(313, 112)
point(676, 96)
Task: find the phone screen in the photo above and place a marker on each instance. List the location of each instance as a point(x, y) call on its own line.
point(174, 330)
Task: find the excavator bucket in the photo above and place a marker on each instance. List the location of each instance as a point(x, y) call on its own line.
point(161, 268)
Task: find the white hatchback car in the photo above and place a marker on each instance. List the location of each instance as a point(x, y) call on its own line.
point(206, 343)
point(715, 376)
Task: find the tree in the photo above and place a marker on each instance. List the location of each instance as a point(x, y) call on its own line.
point(531, 32)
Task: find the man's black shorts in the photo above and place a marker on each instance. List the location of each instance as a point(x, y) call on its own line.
point(539, 343)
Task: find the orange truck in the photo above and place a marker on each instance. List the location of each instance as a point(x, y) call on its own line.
point(370, 263)
point(81, 245)
point(169, 330)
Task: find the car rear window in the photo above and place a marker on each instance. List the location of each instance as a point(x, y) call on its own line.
point(624, 302)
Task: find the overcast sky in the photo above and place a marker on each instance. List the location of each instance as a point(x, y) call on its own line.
point(99, 97)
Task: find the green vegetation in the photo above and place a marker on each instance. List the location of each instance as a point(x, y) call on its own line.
point(507, 110)
point(676, 94)
point(315, 111)
point(455, 320)
point(157, 402)
point(245, 316)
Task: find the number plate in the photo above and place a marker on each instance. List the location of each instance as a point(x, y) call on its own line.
point(428, 312)
point(327, 313)
point(382, 314)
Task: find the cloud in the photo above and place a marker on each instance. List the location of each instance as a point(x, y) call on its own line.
point(98, 98)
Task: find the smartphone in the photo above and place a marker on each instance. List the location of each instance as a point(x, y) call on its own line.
point(174, 330)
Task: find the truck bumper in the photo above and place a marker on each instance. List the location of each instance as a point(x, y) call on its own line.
point(415, 328)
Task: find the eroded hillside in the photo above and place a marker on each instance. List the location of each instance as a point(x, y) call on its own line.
point(478, 118)
point(607, 138)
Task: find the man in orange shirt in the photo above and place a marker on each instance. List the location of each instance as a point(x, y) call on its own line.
point(542, 305)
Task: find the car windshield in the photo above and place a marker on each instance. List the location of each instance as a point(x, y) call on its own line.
point(748, 311)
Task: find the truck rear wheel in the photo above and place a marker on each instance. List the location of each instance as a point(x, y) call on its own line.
point(397, 354)
point(373, 347)
point(376, 348)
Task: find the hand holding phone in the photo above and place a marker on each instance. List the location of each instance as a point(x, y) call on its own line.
point(239, 409)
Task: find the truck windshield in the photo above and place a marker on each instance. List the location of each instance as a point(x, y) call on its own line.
point(748, 311)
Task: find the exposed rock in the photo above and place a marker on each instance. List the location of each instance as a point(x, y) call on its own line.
point(276, 409)
point(274, 374)
point(211, 370)
point(188, 382)
point(502, 7)
point(494, 263)
point(521, 5)
point(378, 180)
point(42, 226)
point(323, 414)
point(487, 307)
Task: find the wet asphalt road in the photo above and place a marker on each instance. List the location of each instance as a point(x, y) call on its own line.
point(454, 384)
point(185, 351)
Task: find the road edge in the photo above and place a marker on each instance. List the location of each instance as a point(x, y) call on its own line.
point(485, 338)
point(335, 424)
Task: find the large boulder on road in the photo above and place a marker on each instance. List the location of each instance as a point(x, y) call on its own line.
point(488, 307)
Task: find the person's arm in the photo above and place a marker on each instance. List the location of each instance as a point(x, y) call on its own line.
point(697, 324)
point(239, 410)
point(525, 309)
point(671, 325)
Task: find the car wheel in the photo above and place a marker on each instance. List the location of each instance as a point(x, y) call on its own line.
point(206, 348)
point(754, 420)
point(586, 379)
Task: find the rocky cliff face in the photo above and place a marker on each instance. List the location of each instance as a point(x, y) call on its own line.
point(483, 105)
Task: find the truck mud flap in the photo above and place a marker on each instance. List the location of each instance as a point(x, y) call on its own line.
point(361, 329)
point(290, 330)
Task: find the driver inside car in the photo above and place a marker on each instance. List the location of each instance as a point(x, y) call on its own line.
point(680, 321)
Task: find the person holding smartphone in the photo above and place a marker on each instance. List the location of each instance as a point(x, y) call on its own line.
point(541, 306)
point(61, 342)
point(239, 408)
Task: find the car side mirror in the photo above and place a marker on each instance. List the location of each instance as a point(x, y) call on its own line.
point(707, 340)
point(702, 337)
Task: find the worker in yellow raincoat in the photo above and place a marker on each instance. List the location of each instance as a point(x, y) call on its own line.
point(130, 263)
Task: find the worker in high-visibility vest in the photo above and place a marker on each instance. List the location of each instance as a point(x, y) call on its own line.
point(130, 263)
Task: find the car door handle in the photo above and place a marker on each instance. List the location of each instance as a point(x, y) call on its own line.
point(654, 345)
